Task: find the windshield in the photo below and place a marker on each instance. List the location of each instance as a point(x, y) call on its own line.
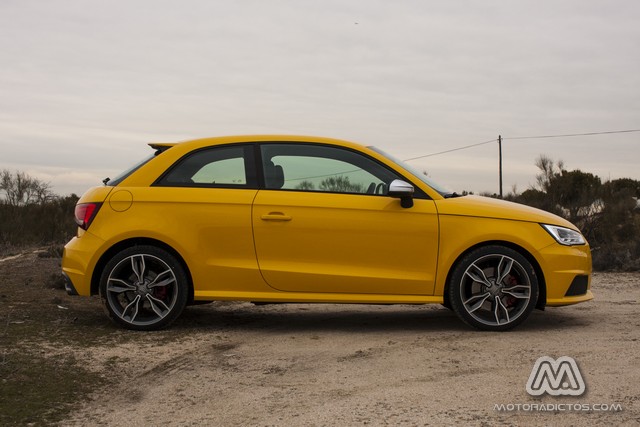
point(445, 192)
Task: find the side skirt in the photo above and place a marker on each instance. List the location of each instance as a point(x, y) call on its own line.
point(302, 297)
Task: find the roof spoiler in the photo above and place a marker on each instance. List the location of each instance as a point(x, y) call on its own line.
point(161, 145)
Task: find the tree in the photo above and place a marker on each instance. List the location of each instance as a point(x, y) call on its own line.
point(305, 185)
point(618, 234)
point(578, 192)
point(340, 184)
point(547, 171)
point(20, 189)
point(572, 194)
point(608, 214)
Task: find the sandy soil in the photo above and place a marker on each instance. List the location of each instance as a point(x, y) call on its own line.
point(324, 365)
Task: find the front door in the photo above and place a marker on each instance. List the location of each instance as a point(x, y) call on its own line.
point(324, 224)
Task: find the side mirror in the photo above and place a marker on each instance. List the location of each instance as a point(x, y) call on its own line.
point(403, 191)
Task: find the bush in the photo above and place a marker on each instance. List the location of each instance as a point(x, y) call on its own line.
point(38, 224)
point(30, 214)
point(607, 214)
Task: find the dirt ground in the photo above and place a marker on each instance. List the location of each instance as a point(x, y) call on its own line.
point(227, 364)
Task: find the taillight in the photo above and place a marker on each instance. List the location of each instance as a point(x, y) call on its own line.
point(85, 213)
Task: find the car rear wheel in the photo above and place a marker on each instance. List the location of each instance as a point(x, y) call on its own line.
point(493, 288)
point(143, 288)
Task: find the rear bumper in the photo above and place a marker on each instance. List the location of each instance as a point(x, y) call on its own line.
point(78, 262)
point(68, 285)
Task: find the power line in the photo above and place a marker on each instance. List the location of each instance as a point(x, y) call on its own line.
point(571, 134)
point(523, 137)
point(452, 150)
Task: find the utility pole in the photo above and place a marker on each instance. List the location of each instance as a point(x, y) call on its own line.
point(500, 154)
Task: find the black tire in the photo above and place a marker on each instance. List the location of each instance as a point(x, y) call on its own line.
point(143, 288)
point(493, 288)
point(445, 302)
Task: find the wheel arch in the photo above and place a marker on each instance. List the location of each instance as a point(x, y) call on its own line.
point(138, 241)
point(542, 284)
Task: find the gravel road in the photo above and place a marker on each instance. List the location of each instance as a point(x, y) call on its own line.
point(325, 365)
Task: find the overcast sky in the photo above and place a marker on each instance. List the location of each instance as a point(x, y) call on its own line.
point(85, 85)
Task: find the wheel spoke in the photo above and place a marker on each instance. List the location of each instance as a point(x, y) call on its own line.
point(499, 306)
point(477, 274)
point(504, 268)
point(133, 306)
point(482, 298)
point(523, 294)
point(158, 306)
point(118, 289)
point(164, 282)
point(138, 266)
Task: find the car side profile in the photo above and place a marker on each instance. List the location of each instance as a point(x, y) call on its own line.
point(277, 218)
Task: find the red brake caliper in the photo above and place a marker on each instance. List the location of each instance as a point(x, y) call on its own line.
point(160, 293)
point(510, 301)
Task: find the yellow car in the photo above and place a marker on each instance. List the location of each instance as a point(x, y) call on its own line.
point(305, 219)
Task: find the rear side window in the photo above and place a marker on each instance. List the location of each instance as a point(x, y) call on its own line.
point(226, 167)
point(124, 175)
point(118, 179)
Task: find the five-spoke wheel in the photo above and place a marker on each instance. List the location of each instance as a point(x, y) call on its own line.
point(493, 288)
point(143, 288)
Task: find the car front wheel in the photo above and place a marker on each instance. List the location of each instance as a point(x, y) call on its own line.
point(493, 288)
point(143, 288)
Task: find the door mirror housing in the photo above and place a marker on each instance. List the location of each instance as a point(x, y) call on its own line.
point(402, 190)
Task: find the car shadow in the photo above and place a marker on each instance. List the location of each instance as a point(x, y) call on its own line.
point(318, 317)
point(356, 318)
point(281, 318)
point(557, 318)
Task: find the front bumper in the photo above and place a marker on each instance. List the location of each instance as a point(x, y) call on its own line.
point(567, 274)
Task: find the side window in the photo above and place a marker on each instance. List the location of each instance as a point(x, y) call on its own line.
point(309, 167)
point(213, 167)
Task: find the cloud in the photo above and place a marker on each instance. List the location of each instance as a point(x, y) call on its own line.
point(86, 88)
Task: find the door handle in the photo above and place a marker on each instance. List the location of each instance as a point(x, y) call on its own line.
point(275, 216)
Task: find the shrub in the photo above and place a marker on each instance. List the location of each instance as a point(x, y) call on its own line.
point(607, 213)
point(30, 214)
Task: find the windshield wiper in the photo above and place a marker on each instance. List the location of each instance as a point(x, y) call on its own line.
point(452, 195)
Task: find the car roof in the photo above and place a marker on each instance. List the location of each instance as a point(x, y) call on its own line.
point(219, 140)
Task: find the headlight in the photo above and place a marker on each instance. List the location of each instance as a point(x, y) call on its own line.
point(565, 236)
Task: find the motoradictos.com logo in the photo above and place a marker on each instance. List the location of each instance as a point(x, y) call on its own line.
point(557, 407)
point(556, 377)
point(560, 377)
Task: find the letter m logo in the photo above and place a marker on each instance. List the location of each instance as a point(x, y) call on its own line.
point(559, 377)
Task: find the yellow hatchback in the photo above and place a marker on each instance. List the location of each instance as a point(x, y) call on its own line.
point(305, 219)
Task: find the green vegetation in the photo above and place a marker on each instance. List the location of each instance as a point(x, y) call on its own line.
point(38, 390)
point(334, 184)
point(30, 214)
point(42, 333)
point(608, 214)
